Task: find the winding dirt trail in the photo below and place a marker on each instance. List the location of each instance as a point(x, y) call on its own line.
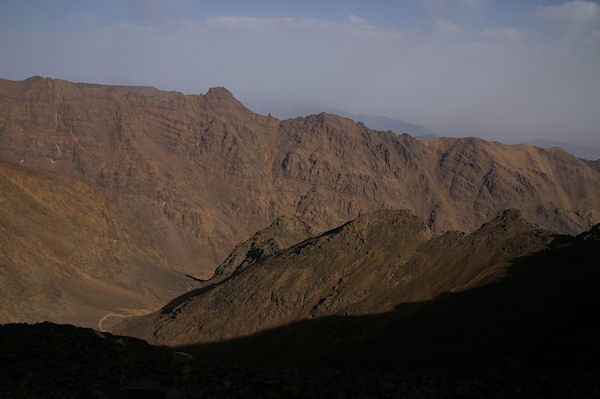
point(127, 313)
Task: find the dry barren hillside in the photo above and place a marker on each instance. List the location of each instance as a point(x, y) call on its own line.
point(200, 173)
point(68, 255)
point(368, 266)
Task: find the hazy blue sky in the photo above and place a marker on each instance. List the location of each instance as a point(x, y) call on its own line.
point(504, 70)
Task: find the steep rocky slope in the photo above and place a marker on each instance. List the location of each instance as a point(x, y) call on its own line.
point(201, 173)
point(69, 255)
point(367, 266)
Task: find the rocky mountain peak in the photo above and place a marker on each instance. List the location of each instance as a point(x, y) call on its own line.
point(402, 222)
point(507, 219)
point(220, 97)
point(219, 92)
point(510, 216)
point(282, 233)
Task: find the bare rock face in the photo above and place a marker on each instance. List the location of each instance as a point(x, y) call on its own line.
point(68, 255)
point(199, 173)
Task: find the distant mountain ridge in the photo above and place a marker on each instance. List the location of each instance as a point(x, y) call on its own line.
point(200, 173)
point(286, 110)
point(582, 151)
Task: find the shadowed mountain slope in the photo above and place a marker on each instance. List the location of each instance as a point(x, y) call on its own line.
point(529, 329)
point(540, 315)
point(66, 361)
point(201, 173)
point(67, 254)
point(367, 266)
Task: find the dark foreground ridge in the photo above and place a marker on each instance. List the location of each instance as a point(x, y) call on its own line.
point(531, 333)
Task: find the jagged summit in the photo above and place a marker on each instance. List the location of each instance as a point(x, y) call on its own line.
point(282, 233)
point(506, 218)
point(219, 92)
point(221, 99)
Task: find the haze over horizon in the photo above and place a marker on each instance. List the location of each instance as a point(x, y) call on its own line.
point(501, 70)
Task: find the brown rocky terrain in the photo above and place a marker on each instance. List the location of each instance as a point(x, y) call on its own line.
point(282, 233)
point(67, 254)
point(368, 266)
point(507, 311)
point(110, 195)
point(199, 173)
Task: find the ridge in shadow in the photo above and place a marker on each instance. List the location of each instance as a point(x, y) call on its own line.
point(542, 313)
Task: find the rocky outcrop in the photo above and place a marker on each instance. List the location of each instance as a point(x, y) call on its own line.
point(282, 233)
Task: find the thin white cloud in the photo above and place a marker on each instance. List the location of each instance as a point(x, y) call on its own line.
point(435, 6)
point(442, 25)
point(504, 33)
point(154, 6)
point(352, 25)
point(128, 27)
point(472, 3)
point(578, 12)
point(243, 22)
point(442, 7)
point(85, 18)
point(356, 20)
